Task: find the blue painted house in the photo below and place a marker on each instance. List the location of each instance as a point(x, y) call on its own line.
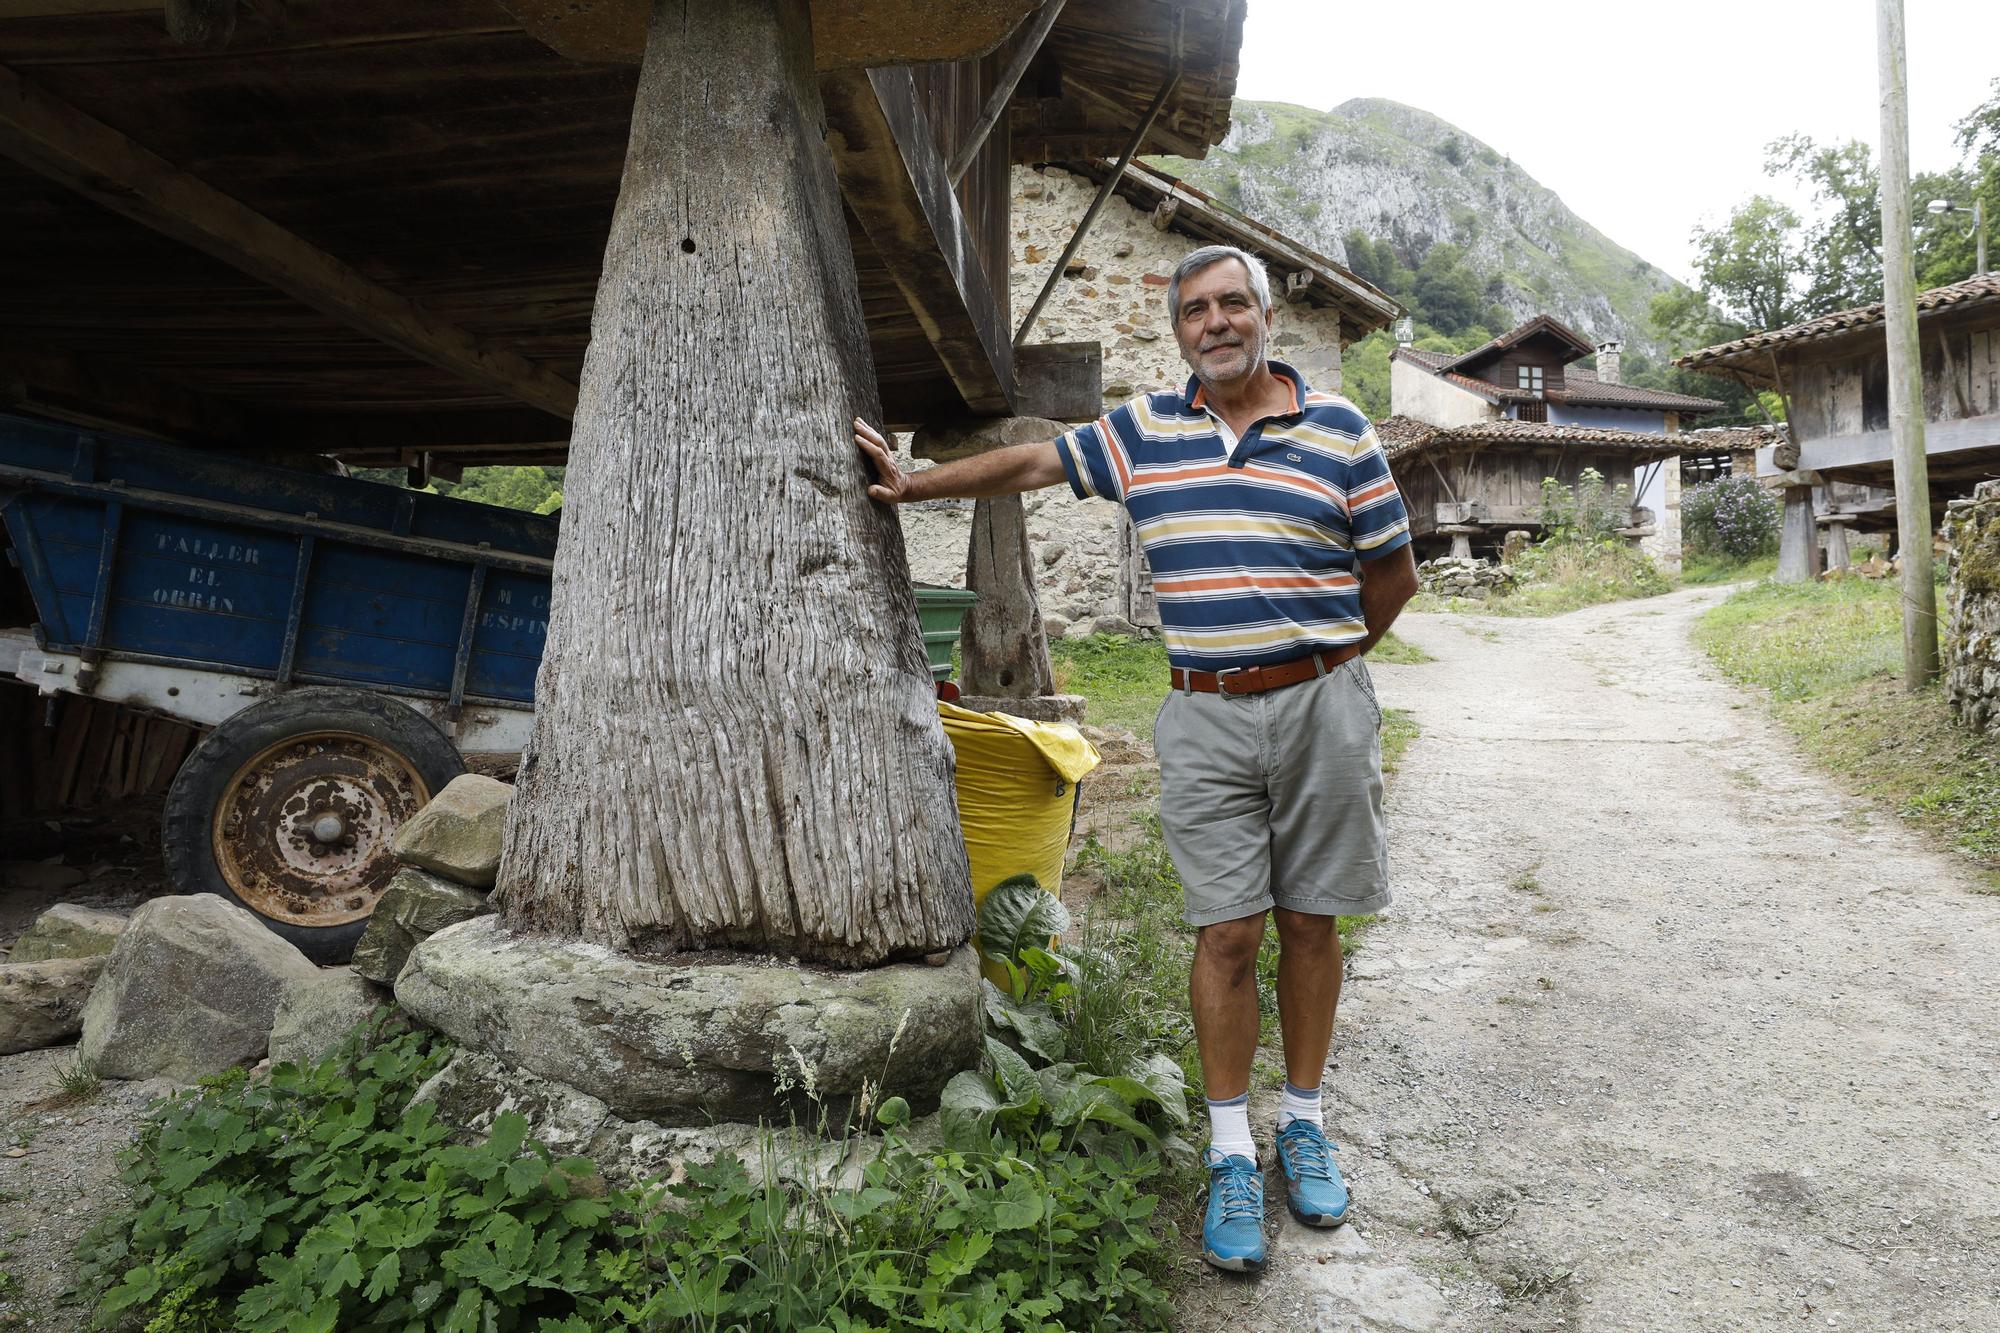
point(1522, 396)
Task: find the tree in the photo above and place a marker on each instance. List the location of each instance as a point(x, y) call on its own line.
point(736, 742)
point(1448, 294)
point(1842, 261)
point(1754, 265)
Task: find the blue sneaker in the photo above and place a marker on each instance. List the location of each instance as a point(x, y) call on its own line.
point(1313, 1187)
point(1232, 1234)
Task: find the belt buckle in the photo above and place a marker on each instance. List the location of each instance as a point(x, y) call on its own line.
point(1222, 679)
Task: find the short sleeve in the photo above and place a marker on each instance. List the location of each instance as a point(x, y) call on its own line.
point(1377, 522)
point(1095, 457)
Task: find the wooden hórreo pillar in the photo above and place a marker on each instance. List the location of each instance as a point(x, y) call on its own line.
point(1003, 645)
point(1798, 537)
point(736, 743)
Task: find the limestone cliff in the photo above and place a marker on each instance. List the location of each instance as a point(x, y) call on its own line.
point(1397, 173)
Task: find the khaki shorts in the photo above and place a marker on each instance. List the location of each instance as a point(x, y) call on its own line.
point(1275, 799)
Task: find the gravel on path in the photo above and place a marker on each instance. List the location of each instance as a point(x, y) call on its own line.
point(1663, 1031)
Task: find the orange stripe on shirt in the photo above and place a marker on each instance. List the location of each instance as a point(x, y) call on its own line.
point(1114, 449)
point(1386, 486)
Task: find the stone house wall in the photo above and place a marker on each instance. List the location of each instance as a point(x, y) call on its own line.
point(1972, 609)
point(1116, 295)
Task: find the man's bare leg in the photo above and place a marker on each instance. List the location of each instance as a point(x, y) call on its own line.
point(1222, 986)
point(1308, 993)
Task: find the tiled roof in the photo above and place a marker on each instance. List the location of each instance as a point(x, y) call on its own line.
point(1732, 439)
point(1406, 436)
point(1749, 358)
point(1581, 387)
point(1548, 324)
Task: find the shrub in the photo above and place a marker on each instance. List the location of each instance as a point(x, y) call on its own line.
point(1730, 516)
point(1585, 513)
point(322, 1200)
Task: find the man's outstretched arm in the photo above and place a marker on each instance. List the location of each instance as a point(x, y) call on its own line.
point(1008, 471)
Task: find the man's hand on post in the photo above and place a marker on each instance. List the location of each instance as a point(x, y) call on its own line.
point(892, 484)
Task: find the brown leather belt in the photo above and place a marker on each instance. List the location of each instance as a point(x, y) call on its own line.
point(1257, 679)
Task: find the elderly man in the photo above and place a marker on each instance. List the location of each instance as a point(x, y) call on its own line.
point(1280, 555)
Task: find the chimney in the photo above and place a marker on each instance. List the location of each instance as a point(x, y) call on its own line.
point(1406, 331)
point(1607, 361)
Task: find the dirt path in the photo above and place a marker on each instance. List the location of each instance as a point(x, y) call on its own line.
point(1661, 1034)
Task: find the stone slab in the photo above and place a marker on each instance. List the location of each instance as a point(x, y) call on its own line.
point(191, 988)
point(316, 1013)
point(41, 1003)
point(458, 834)
point(710, 1038)
point(415, 906)
point(68, 931)
point(1042, 708)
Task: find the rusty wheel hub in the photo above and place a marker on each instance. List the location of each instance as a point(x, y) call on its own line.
point(302, 834)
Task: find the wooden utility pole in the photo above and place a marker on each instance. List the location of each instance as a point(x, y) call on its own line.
point(736, 740)
point(1906, 395)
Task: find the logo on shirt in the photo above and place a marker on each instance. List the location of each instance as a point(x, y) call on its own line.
point(1293, 458)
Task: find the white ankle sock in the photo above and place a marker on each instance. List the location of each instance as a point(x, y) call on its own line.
point(1229, 1128)
point(1300, 1104)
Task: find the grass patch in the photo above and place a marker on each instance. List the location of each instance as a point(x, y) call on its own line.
point(1399, 728)
point(1700, 570)
point(1830, 656)
point(1122, 679)
point(1564, 576)
point(1397, 652)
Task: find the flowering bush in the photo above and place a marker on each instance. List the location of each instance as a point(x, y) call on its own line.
point(1587, 513)
point(1731, 516)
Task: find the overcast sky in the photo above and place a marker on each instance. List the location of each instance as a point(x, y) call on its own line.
point(1646, 118)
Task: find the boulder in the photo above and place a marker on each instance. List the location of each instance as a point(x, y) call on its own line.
point(458, 834)
point(191, 988)
point(316, 1013)
point(413, 908)
point(41, 1003)
point(1114, 624)
point(690, 1042)
point(68, 931)
point(474, 1088)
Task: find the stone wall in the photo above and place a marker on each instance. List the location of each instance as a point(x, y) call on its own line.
point(1972, 609)
point(1116, 294)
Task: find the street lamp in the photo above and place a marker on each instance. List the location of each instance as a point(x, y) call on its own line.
point(1943, 206)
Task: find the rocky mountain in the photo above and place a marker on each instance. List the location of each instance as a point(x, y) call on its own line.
point(1395, 173)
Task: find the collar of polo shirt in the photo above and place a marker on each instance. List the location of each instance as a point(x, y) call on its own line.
point(1195, 395)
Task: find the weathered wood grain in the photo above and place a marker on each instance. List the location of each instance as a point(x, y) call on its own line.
point(1003, 647)
point(736, 743)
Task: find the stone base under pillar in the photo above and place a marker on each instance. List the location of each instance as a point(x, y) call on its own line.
point(713, 1038)
point(1042, 708)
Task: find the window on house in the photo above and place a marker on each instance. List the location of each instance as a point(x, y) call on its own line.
point(1531, 412)
point(1530, 377)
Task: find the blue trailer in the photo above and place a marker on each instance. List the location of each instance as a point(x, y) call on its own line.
point(345, 640)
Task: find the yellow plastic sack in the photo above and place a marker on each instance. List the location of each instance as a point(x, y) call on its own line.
point(1016, 792)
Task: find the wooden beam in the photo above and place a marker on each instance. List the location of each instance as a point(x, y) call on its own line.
point(1961, 440)
point(896, 185)
point(1060, 381)
point(844, 36)
point(1161, 138)
point(107, 396)
point(62, 143)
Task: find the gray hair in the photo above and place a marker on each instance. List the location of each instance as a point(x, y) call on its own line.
point(1208, 255)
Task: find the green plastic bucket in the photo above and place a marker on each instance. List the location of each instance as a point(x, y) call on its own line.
point(940, 611)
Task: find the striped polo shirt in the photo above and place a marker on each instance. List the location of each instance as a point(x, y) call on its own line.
point(1253, 543)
